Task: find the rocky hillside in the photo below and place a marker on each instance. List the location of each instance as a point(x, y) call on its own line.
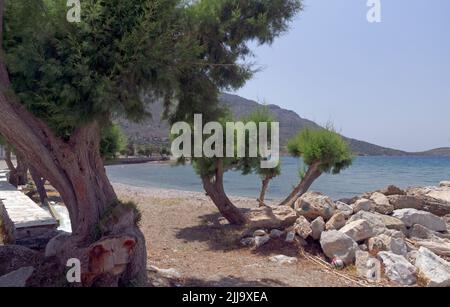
point(155, 130)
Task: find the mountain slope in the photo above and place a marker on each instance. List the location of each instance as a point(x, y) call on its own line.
point(156, 130)
point(291, 123)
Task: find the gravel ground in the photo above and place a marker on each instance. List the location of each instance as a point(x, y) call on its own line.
point(185, 232)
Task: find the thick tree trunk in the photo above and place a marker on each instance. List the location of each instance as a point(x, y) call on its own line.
point(264, 187)
point(76, 170)
point(18, 175)
point(311, 175)
point(215, 190)
point(39, 182)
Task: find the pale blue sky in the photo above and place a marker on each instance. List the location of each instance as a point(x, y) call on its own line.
point(386, 83)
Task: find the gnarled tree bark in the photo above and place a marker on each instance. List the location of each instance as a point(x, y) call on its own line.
point(75, 168)
point(18, 175)
point(311, 175)
point(215, 190)
point(264, 187)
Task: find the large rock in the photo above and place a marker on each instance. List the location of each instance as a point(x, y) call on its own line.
point(444, 184)
point(55, 244)
point(337, 244)
point(405, 201)
point(336, 222)
point(363, 204)
point(382, 204)
point(421, 232)
point(312, 205)
point(302, 227)
point(435, 200)
point(392, 190)
point(344, 208)
point(398, 269)
point(14, 257)
point(17, 278)
point(434, 270)
point(440, 247)
point(366, 266)
point(413, 216)
point(379, 222)
point(358, 230)
point(270, 218)
point(317, 227)
point(385, 243)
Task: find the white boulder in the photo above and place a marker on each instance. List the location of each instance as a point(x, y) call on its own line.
point(358, 230)
point(336, 222)
point(317, 227)
point(383, 242)
point(398, 269)
point(337, 244)
point(363, 204)
point(302, 227)
point(434, 270)
point(312, 205)
point(382, 204)
point(413, 216)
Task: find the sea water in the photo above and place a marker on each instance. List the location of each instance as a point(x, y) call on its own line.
point(366, 174)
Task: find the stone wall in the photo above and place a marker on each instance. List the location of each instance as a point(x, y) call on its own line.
point(7, 229)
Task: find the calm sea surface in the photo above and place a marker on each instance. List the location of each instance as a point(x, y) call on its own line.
point(366, 174)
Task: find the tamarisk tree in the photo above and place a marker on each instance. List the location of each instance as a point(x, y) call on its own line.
point(60, 83)
point(322, 151)
point(250, 165)
point(224, 29)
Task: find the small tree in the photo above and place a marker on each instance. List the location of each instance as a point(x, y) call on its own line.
point(323, 151)
point(112, 142)
point(130, 149)
point(253, 165)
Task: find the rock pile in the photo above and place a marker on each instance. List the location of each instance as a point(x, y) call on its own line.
point(404, 234)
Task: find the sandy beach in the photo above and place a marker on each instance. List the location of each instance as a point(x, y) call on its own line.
point(185, 232)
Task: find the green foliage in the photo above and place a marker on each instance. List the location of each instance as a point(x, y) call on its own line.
point(181, 51)
point(71, 73)
point(146, 150)
point(207, 166)
point(112, 141)
point(323, 146)
point(253, 165)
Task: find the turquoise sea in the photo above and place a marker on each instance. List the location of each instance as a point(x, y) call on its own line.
point(366, 174)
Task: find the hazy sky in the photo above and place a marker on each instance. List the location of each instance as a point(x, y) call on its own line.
point(387, 83)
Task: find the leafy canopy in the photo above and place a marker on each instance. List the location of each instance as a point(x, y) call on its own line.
point(122, 52)
point(71, 73)
point(249, 165)
point(323, 146)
